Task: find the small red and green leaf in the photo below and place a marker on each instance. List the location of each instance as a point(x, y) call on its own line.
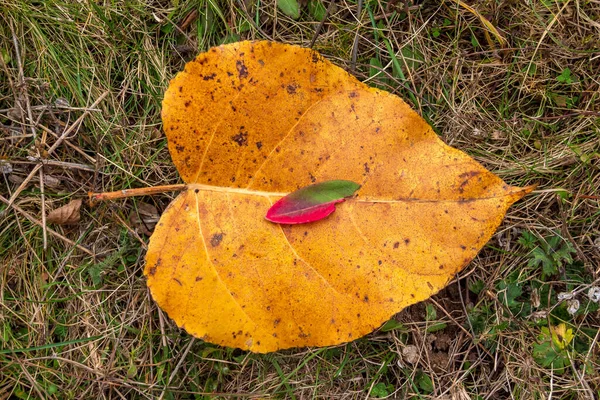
point(311, 203)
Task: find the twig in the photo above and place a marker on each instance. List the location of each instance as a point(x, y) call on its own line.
point(15, 137)
point(52, 232)
point(63, 164)
point(62, 137)
point(355, 45)
point(322, 23)
point(44, 227)
point(55, 107)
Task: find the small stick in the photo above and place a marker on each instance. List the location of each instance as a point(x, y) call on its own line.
point(44, 227)
point(355, 46)
point(119, 194)
point(52, 232)
point(320, 26)
point(62, 164)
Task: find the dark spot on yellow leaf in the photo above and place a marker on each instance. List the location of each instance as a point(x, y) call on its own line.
point(198, 278)
point(276, 322)
point(396, 245)
point(259, 145)
point(430, 285)
point(178, 281)
point(216, 239)
point(406, 241)
point(241, 138)
point(291, 89)
point(209, 77)
point(242, 69)
point(366, 298)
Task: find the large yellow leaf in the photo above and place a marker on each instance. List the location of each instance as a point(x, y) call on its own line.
point(249, 122)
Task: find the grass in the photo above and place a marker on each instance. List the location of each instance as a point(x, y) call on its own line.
point(75, 325)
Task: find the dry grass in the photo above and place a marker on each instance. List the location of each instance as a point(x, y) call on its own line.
point(77, 322)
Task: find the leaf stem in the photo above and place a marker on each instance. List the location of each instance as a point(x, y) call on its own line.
point(119, 194)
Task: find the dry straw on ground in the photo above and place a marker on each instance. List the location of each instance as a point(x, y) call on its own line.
point(513, 83)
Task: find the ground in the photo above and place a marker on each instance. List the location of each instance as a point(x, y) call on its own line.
point(515, 84)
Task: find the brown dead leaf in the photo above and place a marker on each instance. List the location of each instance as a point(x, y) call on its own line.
point(144, 218)
point(66, 215)
point(51, 181)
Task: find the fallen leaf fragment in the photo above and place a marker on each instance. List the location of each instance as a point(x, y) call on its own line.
point(144, 218)
point(68, 214)
point(311, 203)
point(249, 122)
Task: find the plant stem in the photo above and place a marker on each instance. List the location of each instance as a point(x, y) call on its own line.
point(119, 194)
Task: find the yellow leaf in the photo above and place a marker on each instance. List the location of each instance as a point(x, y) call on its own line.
point(249, 122)
point(561, 336)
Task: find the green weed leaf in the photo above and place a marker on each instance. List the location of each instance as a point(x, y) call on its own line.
point(289, 8)
point(317, 10)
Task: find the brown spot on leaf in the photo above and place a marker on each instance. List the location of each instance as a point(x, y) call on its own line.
point(242, 69)
point(291, 89)
point(216, 239)
point(241, 139)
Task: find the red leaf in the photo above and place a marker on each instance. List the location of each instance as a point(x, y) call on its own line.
point(311, 203)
